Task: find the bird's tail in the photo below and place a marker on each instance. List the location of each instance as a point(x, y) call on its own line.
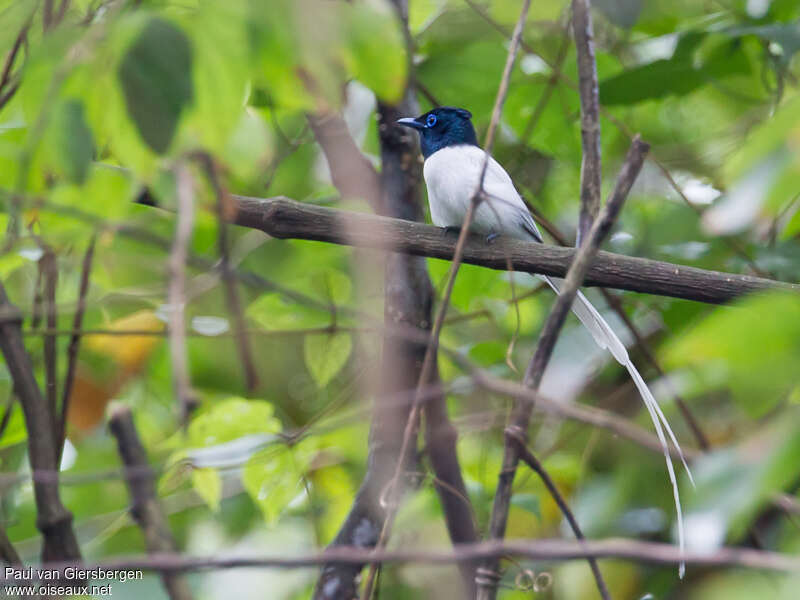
point(605, 337)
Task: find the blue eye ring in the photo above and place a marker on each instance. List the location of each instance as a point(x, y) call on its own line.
point(430, 121)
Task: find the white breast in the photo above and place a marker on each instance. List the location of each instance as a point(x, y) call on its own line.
point(452, 175)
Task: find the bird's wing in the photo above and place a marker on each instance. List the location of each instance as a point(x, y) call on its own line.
point(502, 195)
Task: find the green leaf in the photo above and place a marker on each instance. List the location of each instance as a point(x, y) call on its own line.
point(208, 485)
point(73, 140)
point(273, 477)
point(786, 35)
point(676, 76)
point(528, 502)
point(375, 52)
point(156, 77)
point(624, 13)
point(326, 354)
point(231, 419)
point(752, 349)
point(734, 483)
point(15, 432)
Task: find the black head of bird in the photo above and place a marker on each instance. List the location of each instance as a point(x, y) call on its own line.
point(441, 127)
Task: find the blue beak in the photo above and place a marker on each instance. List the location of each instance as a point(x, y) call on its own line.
point(410, 122)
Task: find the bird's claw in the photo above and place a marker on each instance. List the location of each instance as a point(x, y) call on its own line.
point(492, 237)
point(450, 229)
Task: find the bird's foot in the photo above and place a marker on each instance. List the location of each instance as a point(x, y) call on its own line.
point(492, 237)
point(450, 229)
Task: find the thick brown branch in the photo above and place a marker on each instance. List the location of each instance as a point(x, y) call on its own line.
point(284, 218)
point(145, 508)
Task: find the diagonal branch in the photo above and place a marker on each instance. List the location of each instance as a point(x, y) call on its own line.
point(530, 459)
point(74, 345)
point(351, 172)
point(145, 508)
point(521, 412)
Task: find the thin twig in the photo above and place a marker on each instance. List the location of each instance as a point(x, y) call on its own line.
point(545, 549)
point(530, 459)
point(74, 344)
point(50, 279)
point(181, 383)
point(145, 508)
point(225, 207)
point(521, 412)
point(430, 352)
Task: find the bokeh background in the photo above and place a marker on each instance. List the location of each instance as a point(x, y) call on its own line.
point(109, 97)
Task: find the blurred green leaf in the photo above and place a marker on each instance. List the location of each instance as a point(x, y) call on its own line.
point(208, 484)
point(678, 76)
point(273, 477)
point(73, 141)
point(156, 77)
point(750, 348)
point(231, 419)
point(375, 50)
point(734, 483)
point(326, 354)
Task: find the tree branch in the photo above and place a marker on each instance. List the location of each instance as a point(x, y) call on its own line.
point(521, 412)
point(181, 383)
point(351, 172)
point(145, 508)
point(74, 345)
point(547, 549)
point(513, 436)
point(53, 519)
point(591, 169)
point(284, 218)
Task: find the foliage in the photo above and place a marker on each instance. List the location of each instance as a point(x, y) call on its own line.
point(118, 93)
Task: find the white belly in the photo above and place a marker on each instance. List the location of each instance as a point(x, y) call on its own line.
point(452, 175)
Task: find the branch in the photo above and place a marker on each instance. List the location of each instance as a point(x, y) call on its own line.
point(521, 412)
point(50, 278)
point(408, 300)
point(53, 519)
point(530, 459)
point(351, 172)
point(547, 549)
point(223, 206)
point(591, 170)
point(145, 508)
point(177, 297)
point(429, 362)
point(284, 218)
point(8, 554)
point(74, 345)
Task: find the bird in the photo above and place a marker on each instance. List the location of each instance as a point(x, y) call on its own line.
point(453, 166)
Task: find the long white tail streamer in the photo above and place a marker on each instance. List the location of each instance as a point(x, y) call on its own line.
point(605, 337)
